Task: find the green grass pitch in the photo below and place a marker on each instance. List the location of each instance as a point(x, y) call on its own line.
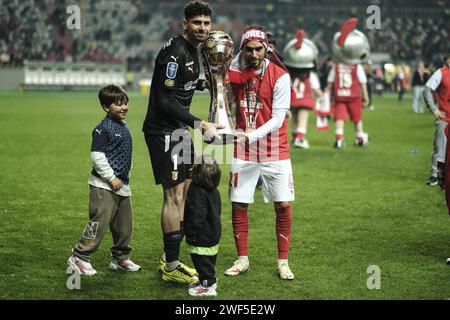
point(354, 208)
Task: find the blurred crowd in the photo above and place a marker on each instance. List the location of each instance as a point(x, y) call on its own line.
point(134, 30)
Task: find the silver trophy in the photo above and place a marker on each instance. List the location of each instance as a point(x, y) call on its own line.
point(217, 52)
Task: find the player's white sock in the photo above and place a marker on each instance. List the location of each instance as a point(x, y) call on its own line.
point(282, 261)
point(243, 258)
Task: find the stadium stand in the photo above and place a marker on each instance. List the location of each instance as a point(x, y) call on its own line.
point(133, 31)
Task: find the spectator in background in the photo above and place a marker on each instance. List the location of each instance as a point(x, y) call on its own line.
point(419, 79)
point(273, 44)
point(325, 68)
point(400, 83)
point(370, 83)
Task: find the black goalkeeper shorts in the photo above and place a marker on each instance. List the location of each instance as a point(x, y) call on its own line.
point(172, 158)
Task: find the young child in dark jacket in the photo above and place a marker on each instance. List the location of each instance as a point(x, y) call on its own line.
point(202, 223)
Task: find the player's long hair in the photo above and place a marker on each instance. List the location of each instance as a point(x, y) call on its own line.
point(206, 172)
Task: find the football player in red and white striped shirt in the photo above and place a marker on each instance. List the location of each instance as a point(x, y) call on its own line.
point(261, 87)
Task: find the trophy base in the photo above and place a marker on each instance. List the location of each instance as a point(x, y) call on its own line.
point(225, 138)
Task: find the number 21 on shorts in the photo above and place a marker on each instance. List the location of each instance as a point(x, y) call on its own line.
point(234, 180)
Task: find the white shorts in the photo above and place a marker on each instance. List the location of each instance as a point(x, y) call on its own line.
point(277, 180)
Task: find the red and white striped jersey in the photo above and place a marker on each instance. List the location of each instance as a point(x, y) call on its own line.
point(258, 99)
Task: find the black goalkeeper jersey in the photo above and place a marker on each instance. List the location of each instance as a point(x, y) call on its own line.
point(174, 81)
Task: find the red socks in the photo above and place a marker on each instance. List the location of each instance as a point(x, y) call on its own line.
point(240, 230)
point(283, 230)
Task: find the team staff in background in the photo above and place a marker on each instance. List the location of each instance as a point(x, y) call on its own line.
point(439, 85)
point(175, 78)
point(261, 87)
point(420, 77)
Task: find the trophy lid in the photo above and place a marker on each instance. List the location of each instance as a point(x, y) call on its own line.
point(218, 48)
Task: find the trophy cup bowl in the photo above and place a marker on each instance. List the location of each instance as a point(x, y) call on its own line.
point(217, 52)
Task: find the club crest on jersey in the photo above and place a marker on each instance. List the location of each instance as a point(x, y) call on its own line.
point(171, 71)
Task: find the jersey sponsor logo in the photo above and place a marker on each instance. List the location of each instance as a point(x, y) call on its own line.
point(99, 131)
point(169, 83)
point(253, 105)
point(174, 58)
point(171, 71)
point(189, 86)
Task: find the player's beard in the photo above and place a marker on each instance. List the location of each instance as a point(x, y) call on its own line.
point(254, 63)
point(196, 37)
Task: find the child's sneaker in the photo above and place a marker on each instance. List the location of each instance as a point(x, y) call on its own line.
point(285, 272)
point(180, 275)
point(162, 265)
point(238, 267)
point(126, 265)
point(81, 266)
point(197, 290)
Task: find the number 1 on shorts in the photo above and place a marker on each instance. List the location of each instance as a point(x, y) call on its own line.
point(175, 162)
